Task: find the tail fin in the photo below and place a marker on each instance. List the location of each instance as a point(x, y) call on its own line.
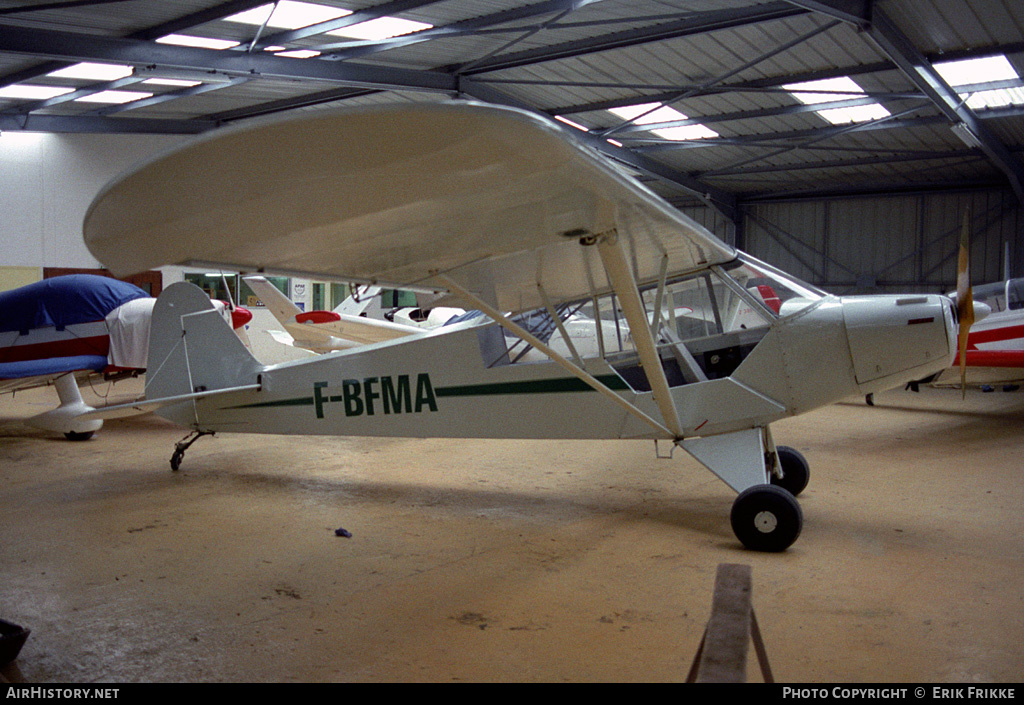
point(356, 304)
point(283, 308)
point(191, 349)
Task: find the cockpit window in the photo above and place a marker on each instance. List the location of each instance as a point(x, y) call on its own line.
point(780, 292)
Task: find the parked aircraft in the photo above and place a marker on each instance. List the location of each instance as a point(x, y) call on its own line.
point(995, 346)
point(508, 215)
point(66, 329)
point(326, 331)
point(348, 326)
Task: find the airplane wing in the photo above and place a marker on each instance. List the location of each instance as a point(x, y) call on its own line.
point(495, 199)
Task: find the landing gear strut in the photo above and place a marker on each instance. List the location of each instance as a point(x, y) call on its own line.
point(181, 446)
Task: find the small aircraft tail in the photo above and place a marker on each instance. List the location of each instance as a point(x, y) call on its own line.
point(192, 351)
point(283, 308)
point(357, 303)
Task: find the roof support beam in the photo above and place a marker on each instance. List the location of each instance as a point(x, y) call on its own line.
point(354, 50)
point(73, 46)
point(898, 47)
point(696, 23)
point(722, 201)
point(389, 8)
point(855, 12)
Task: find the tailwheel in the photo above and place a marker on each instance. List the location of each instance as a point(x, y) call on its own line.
point(766, 518)
point(796, 472)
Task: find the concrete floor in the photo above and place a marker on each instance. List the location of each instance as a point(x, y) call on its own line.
point(509, 561)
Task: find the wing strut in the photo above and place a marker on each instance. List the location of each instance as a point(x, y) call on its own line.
point(621, 277)
point(590, 380)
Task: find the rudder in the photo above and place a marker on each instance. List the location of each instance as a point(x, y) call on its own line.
point(192, 349)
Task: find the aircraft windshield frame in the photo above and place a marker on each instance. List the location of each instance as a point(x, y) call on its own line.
point(792, 294)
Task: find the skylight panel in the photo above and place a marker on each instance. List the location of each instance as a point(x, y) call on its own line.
point(93, 71)
point(116, 97)
point(969, 71)
point(27, 92)
point(988, 69)
point(186, 40)
point(650, 113)
point(381, 28)
point(647, 113)
point(996, 98)
point(288, 15)
point(833, 90)
point(685, 133)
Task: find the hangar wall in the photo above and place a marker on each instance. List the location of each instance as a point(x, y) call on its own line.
point(883, 243)
point(887, 243)
point(47, 182)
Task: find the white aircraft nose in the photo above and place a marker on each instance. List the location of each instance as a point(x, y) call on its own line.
point(896, 339)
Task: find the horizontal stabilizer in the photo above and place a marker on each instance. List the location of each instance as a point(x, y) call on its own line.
point(145, 406)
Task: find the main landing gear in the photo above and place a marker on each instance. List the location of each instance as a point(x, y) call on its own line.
point(765, 516)
point(768, 517)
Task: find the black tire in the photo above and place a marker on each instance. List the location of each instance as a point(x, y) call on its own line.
point(766, 518)
point(796, 472)
point(76, 436)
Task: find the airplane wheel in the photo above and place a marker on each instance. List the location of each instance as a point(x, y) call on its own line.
point(766, 518)
point(75, 436)
point(796, 472)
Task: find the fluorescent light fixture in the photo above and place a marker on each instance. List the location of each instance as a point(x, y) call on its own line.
point(186, 40)
point(649, 113)
point(167, 74)
point(116, 97)
point(979, 71)
point(841, 88)
point(26, 92)
point(175, 82)
point(966, 135)
point(289, 15)
point(94, 72)
point(298, 53)
point(381, 28)
point(570, 123)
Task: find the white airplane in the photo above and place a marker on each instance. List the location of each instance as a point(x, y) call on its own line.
point(325, 331)
point(506, 213)
point(347, 326)
point(995, 346)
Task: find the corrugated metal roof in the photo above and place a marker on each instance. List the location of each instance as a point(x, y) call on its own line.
point(723, 63)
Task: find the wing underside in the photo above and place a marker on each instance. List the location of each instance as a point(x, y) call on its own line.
point(499, 200)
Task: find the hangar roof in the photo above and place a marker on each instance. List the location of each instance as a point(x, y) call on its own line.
point(726, 101)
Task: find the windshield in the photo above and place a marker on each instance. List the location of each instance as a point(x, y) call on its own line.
point(780, 292)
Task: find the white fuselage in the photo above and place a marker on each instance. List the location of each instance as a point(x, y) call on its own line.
point(439, 384)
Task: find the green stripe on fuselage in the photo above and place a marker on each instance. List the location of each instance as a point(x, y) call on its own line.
point(540, 386)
